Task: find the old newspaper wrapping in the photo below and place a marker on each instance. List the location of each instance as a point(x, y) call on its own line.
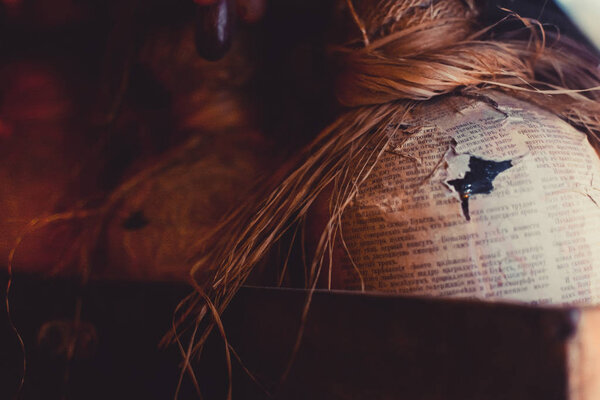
point(490, 198)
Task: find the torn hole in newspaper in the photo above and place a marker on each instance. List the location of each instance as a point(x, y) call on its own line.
point(468, 175)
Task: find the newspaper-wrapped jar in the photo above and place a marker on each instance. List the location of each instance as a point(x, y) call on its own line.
point(158, 216)
point(158, 206)
point(489, 199)
point(460, 167)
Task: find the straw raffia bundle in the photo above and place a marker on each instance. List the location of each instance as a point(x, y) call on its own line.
point(409, 55)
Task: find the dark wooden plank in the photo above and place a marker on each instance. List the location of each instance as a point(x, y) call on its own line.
point(358, 346)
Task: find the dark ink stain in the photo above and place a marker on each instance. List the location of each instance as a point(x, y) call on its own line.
point(136, 220)
point(478, 180)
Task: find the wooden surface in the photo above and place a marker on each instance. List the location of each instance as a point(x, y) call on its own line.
point(384, 347)
point(355, 346)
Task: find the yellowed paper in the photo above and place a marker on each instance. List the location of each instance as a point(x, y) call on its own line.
point(534, 237)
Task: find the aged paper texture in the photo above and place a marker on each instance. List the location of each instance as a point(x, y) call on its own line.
point(494, 199)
